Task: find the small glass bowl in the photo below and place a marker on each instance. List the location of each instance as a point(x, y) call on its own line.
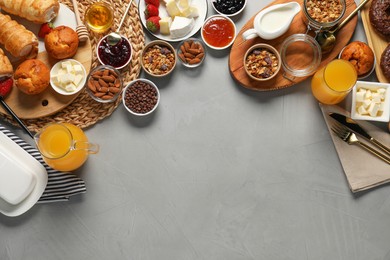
point(104, 94)
point(103, 40)
point(218, 30)
point(268, 48)
point(126, 98)
point(194, 59)
point(150, 55)
point(93, 16)
point(214, 4)
point(318, 25)
point(301, 55)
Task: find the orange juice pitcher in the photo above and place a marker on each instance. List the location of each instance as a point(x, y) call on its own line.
point(64, 146)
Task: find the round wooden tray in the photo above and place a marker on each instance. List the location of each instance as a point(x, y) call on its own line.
point(81, 109)
point(240, 46)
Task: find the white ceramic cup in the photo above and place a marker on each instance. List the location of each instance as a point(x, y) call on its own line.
point(273, 21)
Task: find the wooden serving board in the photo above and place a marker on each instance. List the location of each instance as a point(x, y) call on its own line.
point(375, 41)
point(48, 102)
point(240, 46)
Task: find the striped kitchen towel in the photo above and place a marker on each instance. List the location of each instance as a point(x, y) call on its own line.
point(61, 185)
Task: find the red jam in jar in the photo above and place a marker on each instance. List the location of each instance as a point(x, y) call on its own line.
point(117, 55)
point(218, 32)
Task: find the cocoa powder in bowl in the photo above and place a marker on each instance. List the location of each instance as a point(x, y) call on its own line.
point(141, 97)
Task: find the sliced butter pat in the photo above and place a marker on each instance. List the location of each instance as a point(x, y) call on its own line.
point(165, 24)
point(181, 26)
point(172, 8)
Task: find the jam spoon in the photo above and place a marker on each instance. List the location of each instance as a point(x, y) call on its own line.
point(114, 37)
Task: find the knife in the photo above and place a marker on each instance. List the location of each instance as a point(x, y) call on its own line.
point(354, 127)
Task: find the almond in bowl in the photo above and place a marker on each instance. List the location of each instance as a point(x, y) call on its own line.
point(262, 62)
point(191, 52)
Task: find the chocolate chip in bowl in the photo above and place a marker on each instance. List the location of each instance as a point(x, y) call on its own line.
point(141, 97)
point(104, 84)
point(191, 52)
point(158, 58)
point(262, 62)
point(117, 56)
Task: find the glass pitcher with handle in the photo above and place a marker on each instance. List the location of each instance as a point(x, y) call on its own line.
point(64, 146)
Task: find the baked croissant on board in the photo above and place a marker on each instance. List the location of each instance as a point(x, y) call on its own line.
point(37, 11)
point(17, 40)
point(6, 68)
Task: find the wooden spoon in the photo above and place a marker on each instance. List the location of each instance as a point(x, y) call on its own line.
point(81, 29)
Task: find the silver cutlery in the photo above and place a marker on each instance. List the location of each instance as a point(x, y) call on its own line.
point(349, 137)
point(356, 128)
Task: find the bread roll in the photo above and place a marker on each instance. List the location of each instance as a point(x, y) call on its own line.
point(37, 11)
point(32, 77)
point(360, 55)
point(16, 39)
point(6, 68)
point(62, 42)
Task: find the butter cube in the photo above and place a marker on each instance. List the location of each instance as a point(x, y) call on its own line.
point(360, 96)
point(376, 98)
point(362, 111)
point(64, 64)
point(70, 87)
point(373, 109)
point(165, 24)
point(77, 79)
point(77, 69)
point(366, 103)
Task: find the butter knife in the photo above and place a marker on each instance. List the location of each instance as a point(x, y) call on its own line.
point(353, 126)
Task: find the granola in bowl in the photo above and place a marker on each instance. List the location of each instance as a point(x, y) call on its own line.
point(262, 62)
point(158, 58)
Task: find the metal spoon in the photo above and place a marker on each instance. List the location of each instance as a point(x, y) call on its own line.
point(114, 37)
point(327, 39)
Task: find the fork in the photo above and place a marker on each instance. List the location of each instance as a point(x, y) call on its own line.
point(349, 137)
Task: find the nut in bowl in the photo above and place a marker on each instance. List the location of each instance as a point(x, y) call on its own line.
point(229, 7)
point(104, 84)
point(141, 97)
point(117, 56)
point(158, 58)
point(67, 77)
point(218, 32)
point(262, 62)
point(191, 52)
point(371, 101)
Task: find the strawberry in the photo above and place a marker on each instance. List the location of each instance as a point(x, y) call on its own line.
point(156, 3)
point(5, 86)
point(152, 23)
point(45, 29)
point(150, 10)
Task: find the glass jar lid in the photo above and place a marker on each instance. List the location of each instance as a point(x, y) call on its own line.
point(300, 55)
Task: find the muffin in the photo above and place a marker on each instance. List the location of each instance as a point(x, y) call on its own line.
point(32, 77)
point(360, 55)
point(62, 42)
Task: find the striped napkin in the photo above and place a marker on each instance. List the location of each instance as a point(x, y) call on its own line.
point(61, 185)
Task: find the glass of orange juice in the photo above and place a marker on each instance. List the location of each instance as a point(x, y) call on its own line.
point(331, 84)
point(64, 146)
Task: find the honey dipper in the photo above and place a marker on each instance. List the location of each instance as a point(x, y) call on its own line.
point(81, 30)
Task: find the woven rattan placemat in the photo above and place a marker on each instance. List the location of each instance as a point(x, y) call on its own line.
point(84, 111)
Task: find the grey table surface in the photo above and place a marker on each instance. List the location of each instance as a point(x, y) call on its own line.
point(218, 172)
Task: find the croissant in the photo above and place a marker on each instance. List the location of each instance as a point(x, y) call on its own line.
point(16, 39)
point(37, 11)
point(6, 68)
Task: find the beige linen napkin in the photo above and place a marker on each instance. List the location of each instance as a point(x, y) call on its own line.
point(362, 169)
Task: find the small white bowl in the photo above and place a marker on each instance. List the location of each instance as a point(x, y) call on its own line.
point(213, 3)
point(209, 20)
point(156, 51)
point(103, 43)
point(54, 84)
point(126, 97)
point(372, 86)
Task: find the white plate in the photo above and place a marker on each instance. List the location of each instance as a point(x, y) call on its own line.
point(202, 8)
point(65, 17)
point(9, 150)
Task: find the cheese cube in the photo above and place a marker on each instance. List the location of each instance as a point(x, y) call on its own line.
point(181, 26)
point(70, 87)
point(172, 8)
point(360, 96)
point(77, 79)
point(165, 24)
point(368, 94)
point(194, 11)
point(186, 12)
point(376, 98)
point(64, 64)
point(366, 103)
point(361, 110)
point(184, 4)
point(77, 69)
point(373, 109)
